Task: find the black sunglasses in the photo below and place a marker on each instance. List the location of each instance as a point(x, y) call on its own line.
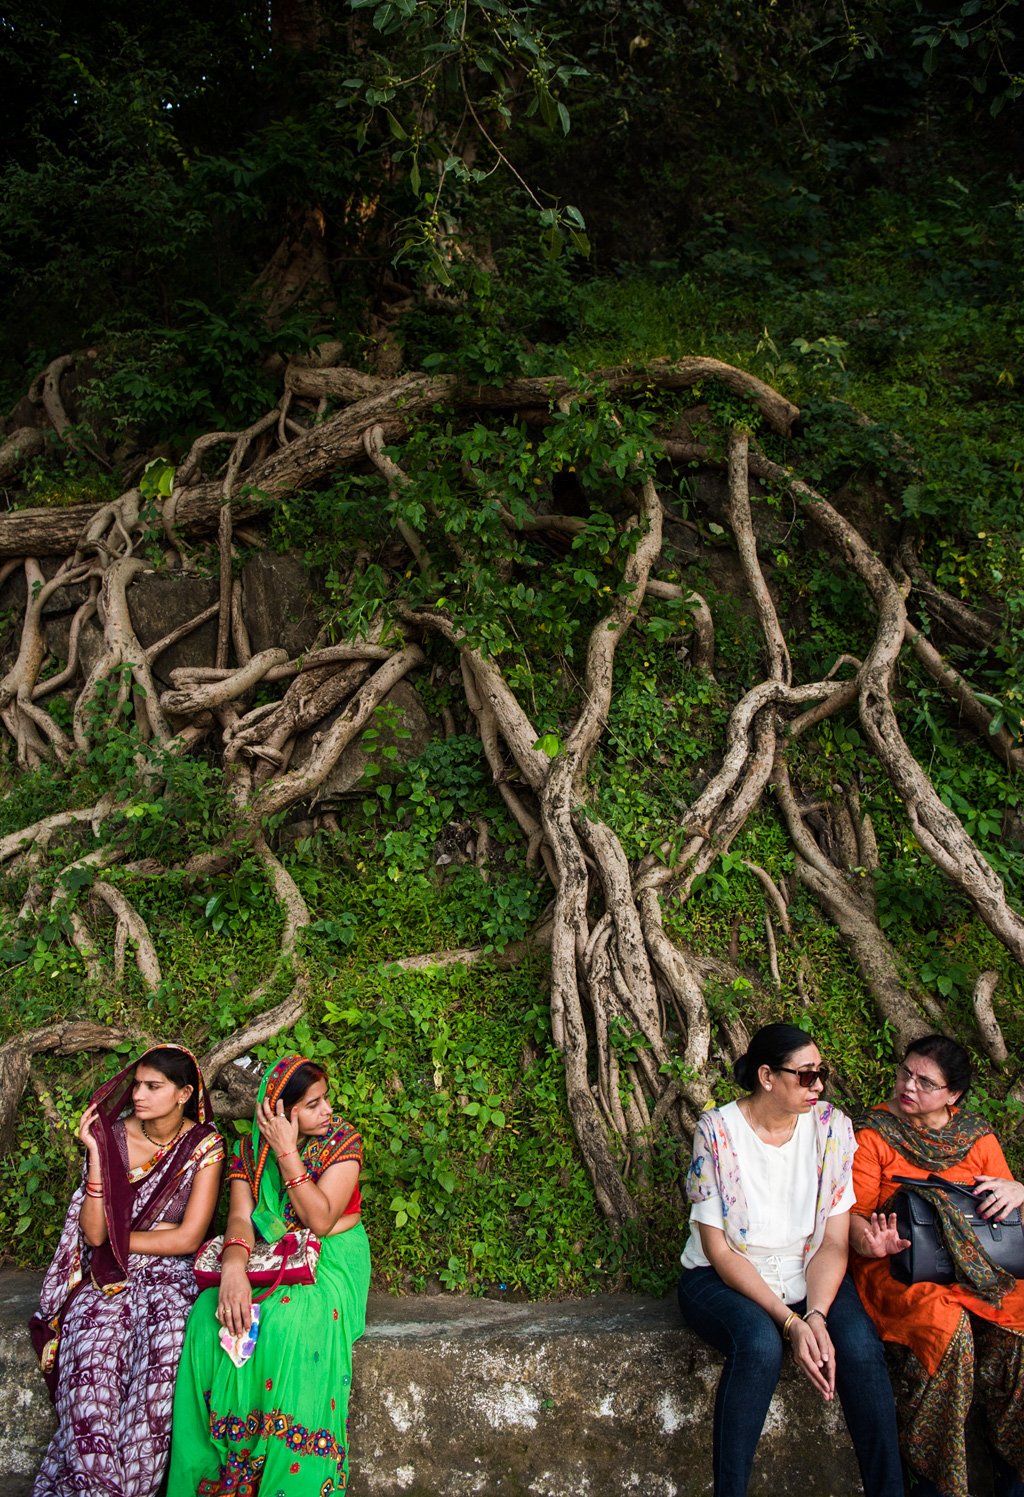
point(808, 1076)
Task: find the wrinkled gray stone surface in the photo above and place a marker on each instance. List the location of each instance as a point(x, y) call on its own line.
point(459, 1396)
point(279, 605)
point(159, 602)
point(26, 1418)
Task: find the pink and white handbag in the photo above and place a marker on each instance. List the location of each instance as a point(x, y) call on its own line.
point(291, 1260)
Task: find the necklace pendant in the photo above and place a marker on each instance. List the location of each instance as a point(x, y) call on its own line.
point(161, 1148)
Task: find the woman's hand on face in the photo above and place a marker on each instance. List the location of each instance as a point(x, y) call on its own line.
point(279, 1131)
point(814, 1353)
point(997, 1198)
point(85, 1132)
point(234, 1303)
point(881, 1238)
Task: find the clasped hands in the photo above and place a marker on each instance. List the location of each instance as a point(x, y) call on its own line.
point(814, 1353)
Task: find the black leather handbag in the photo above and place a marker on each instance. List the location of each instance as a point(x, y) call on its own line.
point(927, 1260)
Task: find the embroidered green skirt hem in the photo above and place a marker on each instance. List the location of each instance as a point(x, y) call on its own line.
point(278, 1425)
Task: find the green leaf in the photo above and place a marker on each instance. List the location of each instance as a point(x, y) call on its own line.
point(396, 127)
point(550, 744)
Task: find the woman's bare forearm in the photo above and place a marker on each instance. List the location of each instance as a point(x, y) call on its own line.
point(740, 1274)
point(313, 1208)
point(169, 1241)
point(93, 1221)
point(825, 1274)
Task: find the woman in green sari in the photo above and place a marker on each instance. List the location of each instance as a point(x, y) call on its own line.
point(276, 1425)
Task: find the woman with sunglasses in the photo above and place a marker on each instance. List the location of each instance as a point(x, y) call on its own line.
point(948, 1332)
point(765, 1263)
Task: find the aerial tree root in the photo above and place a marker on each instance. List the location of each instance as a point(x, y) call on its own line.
point(70, 1038)
point(973, 712)
point(254, 805)
point(939, 831)
point(628, 1005)
point(846, 898)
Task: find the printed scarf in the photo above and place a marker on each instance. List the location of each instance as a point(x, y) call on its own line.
point(935, 1150)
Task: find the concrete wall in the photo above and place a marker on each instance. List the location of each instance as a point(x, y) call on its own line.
point(576, 1399)
point(457, 1396)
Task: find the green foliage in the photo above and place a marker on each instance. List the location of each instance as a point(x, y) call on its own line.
point(460, 481)
point(663, 720)
point(472, 1179)
point(474, 60)
point(60, 477)
point(35, 1189)
point(28, 797)
point(209, 369)
point(504, 322)
point(158, 157)
point(976, 43)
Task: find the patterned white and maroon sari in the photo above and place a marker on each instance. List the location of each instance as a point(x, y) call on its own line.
point(111, 1322)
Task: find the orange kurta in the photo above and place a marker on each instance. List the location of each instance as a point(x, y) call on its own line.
point(922, 1317)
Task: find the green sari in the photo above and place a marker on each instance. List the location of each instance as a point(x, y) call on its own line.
point(278, 1425)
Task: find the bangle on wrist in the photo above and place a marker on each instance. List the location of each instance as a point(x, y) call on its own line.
point(815, 1311)
point(93, 1190)
point(787, 1323)
point(236, 1242)
point(302, 1179)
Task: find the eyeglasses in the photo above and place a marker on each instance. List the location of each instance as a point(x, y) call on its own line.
point(808, 1076)
point(924, 1083)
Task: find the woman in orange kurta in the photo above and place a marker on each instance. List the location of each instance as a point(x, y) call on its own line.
point(946, 1330)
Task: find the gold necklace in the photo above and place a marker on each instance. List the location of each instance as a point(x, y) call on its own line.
point(762, 1132)
point(157, 1143)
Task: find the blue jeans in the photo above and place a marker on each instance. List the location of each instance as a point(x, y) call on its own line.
point(752, 1346)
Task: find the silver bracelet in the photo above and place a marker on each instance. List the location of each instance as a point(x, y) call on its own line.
point(808, 1313)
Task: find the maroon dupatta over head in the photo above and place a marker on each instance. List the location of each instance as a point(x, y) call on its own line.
point(106, 1266)
point(109, 1263)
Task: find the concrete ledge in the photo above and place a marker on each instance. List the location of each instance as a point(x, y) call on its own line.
point(457, 1396)
point(572, 1399)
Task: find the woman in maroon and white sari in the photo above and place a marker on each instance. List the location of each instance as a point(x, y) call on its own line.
point(116, 1297)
